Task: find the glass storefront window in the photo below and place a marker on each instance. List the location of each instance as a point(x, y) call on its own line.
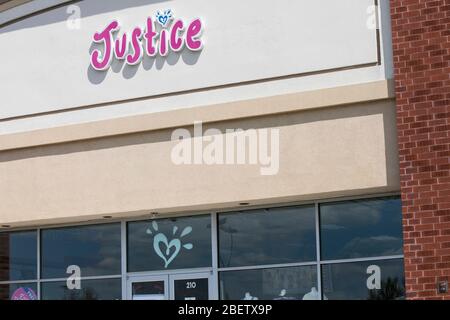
point(267, 236)
point(361, 228)
point(18, 256)
point(101, 289)
point(175, 243)
point(261, 254)
point(368, 280)
point(292, 283)
point(95, 249)
point(18, 291)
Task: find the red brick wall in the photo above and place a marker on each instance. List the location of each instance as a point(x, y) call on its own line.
point(421, 43)
point(4, 256)
point(4, 264)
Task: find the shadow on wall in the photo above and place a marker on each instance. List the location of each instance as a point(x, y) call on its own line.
point(59, 13)
point(147, 63)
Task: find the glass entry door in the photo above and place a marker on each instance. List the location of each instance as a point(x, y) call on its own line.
point(148, 288)
point(186, 286)
point(193, 286)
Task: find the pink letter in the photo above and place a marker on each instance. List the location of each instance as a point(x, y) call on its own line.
point(150, 36)
point(176, 42)
point(106, 37)
point(193, 32)
point(136, 57)
point(163, 50)
point(121, 48)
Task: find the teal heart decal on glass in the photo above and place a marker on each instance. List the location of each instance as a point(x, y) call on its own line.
point(166, 256)
point(165, 249)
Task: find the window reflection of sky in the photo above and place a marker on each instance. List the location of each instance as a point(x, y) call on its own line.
point(348, 280)
point(94, 248)
point(21, 254)
point(276, 283)
point(279, 235)
point(361, 228)
point(104, 289)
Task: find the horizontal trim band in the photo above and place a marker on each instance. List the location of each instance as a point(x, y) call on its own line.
point(351, 94)
point(184, 92)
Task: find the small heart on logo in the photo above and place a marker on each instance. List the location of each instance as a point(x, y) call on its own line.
point(163, 19)
point(167, 257)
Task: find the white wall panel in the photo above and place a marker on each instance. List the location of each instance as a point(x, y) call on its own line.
point(45, 66)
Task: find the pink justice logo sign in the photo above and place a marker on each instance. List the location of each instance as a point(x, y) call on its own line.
point(172, 35)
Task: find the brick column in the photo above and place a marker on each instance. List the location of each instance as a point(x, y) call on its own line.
point(421, 43)
point(4, 263)
point(4, 256)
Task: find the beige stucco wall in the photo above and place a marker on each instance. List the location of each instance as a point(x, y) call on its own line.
point(324, 152)
point(299, 101)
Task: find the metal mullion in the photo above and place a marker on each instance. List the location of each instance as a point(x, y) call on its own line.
point(18, 281)
point(165, 272)
point(215, 256)
point(318, 266)
point(123, 257)
point(38, 263)
point(269, 266)
point(83, 278)
point(393, 257)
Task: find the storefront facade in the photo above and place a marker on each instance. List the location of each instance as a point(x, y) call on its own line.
point(267, 253)
point(121, 170)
